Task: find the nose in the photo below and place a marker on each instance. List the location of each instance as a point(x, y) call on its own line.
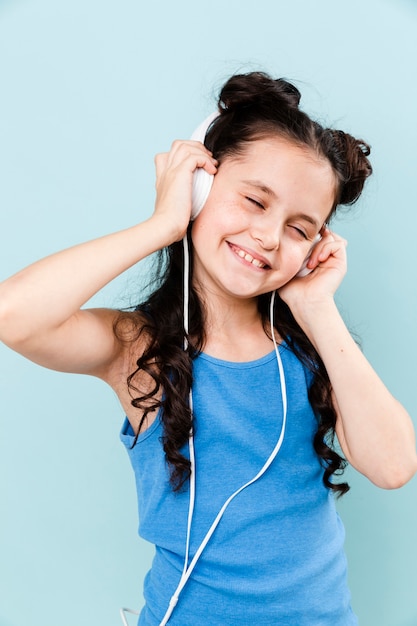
point(268, 235)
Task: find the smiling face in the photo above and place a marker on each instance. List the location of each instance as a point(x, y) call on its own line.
point(263, 213)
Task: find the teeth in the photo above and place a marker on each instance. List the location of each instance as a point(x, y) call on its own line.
point(249, 258)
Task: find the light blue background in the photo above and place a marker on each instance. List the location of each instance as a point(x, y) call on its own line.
point(90, 90)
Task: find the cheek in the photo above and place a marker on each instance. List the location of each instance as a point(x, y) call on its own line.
point(203, 230)
point(294, 259)
point(219, 218)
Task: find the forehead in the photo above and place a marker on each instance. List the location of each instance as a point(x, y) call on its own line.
point(275, 148)
point(284, 169)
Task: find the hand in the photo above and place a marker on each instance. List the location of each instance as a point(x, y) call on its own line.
point(174, 174)
point(328, 265)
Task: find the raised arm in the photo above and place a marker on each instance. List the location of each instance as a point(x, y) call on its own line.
point(40, 314)
point(374, 430)
point(40, 307)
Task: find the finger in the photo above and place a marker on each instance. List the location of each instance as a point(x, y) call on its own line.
point(160, 162)
point(181, 149)
point(185, 163)
point(332, 247)
point(326, 233)
point(190, 160)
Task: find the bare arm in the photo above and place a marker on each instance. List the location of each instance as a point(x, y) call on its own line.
point(40, 307)
point(374, 430)
point(40, 314)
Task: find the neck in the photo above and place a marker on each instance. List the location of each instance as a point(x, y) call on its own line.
point(234, 330)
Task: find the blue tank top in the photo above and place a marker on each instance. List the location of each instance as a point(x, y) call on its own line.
point(277, 555)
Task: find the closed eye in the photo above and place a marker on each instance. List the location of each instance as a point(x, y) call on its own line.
point(256, 202)
point(299, 231)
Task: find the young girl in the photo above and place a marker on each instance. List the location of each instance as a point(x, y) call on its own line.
point(236, 386)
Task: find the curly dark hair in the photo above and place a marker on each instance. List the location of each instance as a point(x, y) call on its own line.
point(251, 106)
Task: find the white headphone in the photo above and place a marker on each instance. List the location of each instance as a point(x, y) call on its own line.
point(202, 180)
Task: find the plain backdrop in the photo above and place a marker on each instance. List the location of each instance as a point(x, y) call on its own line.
point(90, 90)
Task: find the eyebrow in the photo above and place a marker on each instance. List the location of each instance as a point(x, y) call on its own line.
point(269, 192)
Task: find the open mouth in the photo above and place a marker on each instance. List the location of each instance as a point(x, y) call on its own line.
point(249, 258)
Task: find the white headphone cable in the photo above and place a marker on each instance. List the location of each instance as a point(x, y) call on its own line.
point(186, 313)
point(123, 616)
point(189, 569)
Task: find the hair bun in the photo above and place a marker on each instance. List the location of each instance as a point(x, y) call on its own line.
point(257, 88)
point(350, 157)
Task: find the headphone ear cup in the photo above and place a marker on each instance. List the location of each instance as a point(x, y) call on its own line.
point(202, 183)
point(202, 180)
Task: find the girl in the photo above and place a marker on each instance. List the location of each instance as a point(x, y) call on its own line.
point(235, 397)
